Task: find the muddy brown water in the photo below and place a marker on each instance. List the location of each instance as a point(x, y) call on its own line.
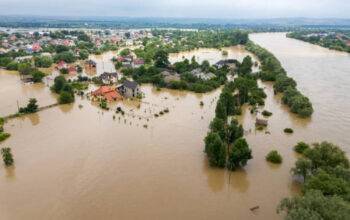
point(74, 162)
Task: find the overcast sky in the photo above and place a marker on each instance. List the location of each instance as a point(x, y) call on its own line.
point(180, 8)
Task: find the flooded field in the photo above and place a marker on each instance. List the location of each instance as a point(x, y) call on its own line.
point(212, 55)
point(79, 162)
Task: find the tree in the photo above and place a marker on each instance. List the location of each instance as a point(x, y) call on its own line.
point(83, 54)
point(325, 155)
point(205, 66)
point(218, 125)
point(37, 76)
point(314, 205)
point(7, 156)
point(246, 66)
point(221, 110)
point(66, 56)
point(161, 59)
point(43, 61)
point(66, 97)
point(25, 68)
point(215, 149)
point(59, 82)
point(32, 107)
point(235, 131)
point(302, 167)
point(301, 147)
point(239, 155)
point(125, 52)
point(328, 184)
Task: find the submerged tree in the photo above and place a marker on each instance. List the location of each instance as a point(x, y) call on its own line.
point(215, 149)
point(31, 107)
point(7, 156)
point(239, 155)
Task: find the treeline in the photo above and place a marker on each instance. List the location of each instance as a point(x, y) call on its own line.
point(325, 175)
point(335, 40)
point(189, 40)
point(272, 70)
point(224, 143)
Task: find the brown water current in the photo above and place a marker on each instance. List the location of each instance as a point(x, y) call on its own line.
point(77, 162)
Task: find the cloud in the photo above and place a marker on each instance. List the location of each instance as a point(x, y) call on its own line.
point(180, 8)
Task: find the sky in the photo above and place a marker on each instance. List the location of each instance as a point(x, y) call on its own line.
point(180, 8)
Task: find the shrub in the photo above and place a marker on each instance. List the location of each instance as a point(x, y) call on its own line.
point(301, 147)
point(4, 136)
point(7, 156)
point(274, 157)
point(103, 104)
point(288, 130)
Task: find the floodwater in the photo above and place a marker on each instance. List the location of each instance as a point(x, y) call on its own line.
point(77, 162)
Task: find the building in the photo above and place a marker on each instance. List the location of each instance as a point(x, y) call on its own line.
point(109, 78)
point(62, 65)
point(202, 75)
point(138, 62)
point(91, 63)
point(261, 122)
point(231, 63)
point(107, 93)
point(170, 76)
point(129, 89)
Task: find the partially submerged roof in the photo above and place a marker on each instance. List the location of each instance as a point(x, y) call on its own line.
point(130, 84)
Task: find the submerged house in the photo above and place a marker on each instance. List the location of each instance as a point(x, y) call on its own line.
point(109, 78)
point(129, 89)
point(137, 63)
point(261, 122)
point(231, 63)
point(202, 75)
point(62, 65)
point(170, 76)
point(107, 93)
point(91, 63)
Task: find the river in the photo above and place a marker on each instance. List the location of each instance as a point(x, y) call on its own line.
point(77, 162)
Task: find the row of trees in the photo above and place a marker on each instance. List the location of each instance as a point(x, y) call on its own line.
point(335, 41)
point(224, 144)
point(272, 70)
point(325, 175)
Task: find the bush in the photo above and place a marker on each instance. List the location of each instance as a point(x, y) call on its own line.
point(301, 147)
point(7, 156)
point(4, 136)
point(288, 130)
point(103, 104)
point(274, 157)
point(266, 113)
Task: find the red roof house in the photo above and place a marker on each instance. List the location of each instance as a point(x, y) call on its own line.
point(107, 93)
